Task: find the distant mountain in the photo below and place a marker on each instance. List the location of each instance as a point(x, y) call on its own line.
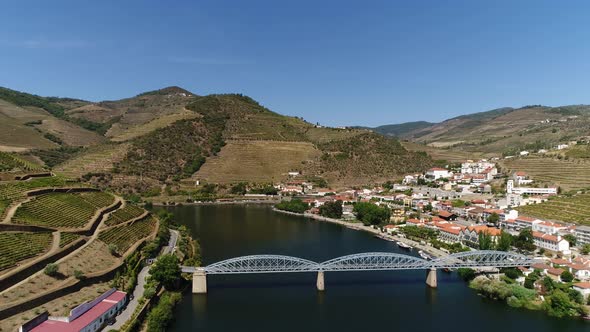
point(401, 129)
point(504, 130)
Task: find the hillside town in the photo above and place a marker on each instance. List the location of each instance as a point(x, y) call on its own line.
point(458, 206)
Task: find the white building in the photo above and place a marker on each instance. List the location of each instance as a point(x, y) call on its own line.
point(524, 153)
point(511, 189)
point(582, 234)
point(548, 227)
point(470, 167)
point(525, 222)
point(551, 242)
point(562, 146)
point(436, 173)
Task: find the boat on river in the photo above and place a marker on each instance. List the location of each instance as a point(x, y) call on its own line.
point(424, 255)
point(403, 245)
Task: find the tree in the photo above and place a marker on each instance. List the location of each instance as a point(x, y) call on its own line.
point(571, 239)
point(585, 249)
point(504, 241)
point(295, 205)
point(525, 240)
point(371, 214)
point(485, 241)
point(512, 273)
point(113, 248)
point(566, 276)
point(51, 269)
point(79, 274)
point(239, 189)
point(548, 284)
point(466, 274)
point(559, 305)
point(332, 209)
point(166, 270)
point(493, 218)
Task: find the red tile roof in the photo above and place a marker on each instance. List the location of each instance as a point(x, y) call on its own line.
point(545, 236)
point(81, 322)
point(555, 272)
point(585, 285)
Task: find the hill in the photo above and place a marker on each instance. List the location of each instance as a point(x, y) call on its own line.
point(504, 131)
point(172, 134)
point(401, 129)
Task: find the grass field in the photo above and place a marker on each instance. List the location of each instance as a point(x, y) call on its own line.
point(569, 174)
point(124, 214)
point(123, 237)
point(256, 161)
point(64, 210)
point(97, 159)
point(16, 247)
point(574, 209)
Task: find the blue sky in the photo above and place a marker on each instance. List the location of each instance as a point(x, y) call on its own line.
point(333, 62)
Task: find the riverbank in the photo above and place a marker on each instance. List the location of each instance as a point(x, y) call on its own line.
point(217, 202)
point(360, 227)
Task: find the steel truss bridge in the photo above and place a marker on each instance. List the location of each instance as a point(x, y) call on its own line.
point(370, 261)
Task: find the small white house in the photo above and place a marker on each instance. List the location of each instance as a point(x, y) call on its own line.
point(584, 288)
point(524, 153)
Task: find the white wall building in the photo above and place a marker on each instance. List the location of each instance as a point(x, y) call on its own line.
point(551, 242)
point(438, 173)
point(511, 189)
point(582, 234)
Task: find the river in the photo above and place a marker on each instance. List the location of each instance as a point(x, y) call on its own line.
point(397, 300)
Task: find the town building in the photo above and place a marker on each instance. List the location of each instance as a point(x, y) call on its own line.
point(470, 235)
point(583, 288)
point(436, 173)
point(582, 234)
point(550, 242)
point(87, 317)
point(511, 189)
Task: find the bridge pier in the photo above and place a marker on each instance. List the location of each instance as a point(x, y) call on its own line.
point(431, 278)
point(320, 281)
point(199, 282)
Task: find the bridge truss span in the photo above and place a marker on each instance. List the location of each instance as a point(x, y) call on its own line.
point(482, 258)
point(262, 264)
point(375, 261)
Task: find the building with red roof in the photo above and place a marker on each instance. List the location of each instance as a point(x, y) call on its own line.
point(87, 317)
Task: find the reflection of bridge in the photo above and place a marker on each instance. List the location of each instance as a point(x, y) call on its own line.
point(372, 261)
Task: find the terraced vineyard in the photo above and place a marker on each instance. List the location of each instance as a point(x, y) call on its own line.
point(69, 210)
point(125, 236)
point(9, 192)
point(256, 161)
point(574, 209)
point(97, 160)
point(67, 238)
point(565, 173)
point(9, 161)
point(124, 214)
point(15, 247)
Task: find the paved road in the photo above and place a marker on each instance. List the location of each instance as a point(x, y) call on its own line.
point(140, 288)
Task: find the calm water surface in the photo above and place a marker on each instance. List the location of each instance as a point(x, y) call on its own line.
point(392, 300)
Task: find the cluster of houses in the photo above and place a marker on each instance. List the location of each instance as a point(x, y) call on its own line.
point(407, 198)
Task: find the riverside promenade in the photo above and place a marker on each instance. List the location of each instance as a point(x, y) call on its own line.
point(360, 227)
